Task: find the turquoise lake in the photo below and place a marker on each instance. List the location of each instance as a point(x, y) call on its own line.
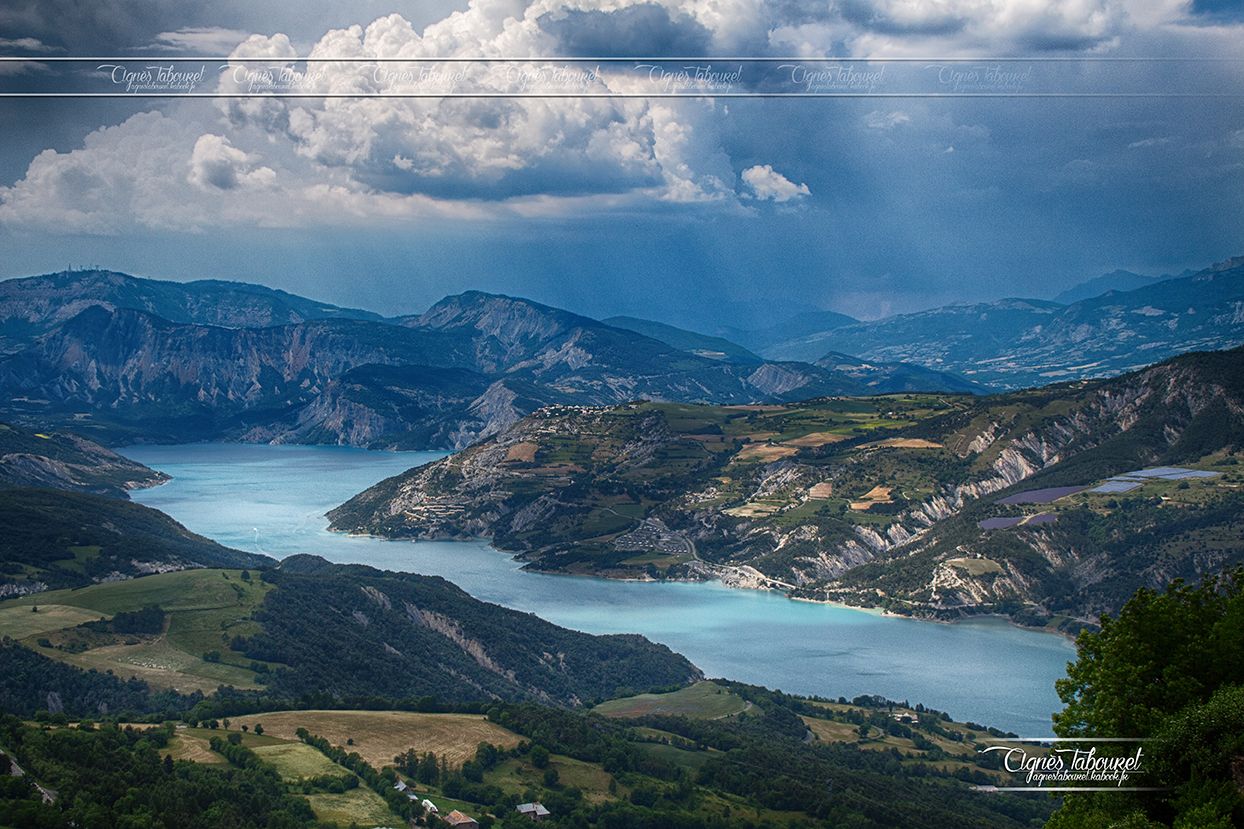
point(272, 499)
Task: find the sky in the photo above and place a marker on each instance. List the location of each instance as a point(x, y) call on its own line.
point(699, 211)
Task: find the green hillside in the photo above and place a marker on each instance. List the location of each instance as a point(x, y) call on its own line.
point(55, 539)
point(340, 632)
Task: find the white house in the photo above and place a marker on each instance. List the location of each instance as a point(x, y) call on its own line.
point(535, 811)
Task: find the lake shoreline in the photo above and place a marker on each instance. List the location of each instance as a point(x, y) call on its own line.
point(272, 500)
point(737, 585)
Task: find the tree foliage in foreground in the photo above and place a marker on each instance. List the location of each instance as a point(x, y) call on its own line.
point(115, 778)
point(1170, 668)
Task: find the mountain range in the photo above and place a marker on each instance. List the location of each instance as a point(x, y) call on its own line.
point(124, 359)
point(34, 305)
point(1021, 343)
point(1118, 280)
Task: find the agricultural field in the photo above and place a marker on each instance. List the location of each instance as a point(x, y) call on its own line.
point(297, 761)
point(917, 736)
point(23, 621)
point(356, 807)
point(519, 776)
point(205, 609)
point(703, 700)
point(379, 736)
point(194, 744)
point(294, 761)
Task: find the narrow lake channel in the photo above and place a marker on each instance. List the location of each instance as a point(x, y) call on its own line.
point(272, 499)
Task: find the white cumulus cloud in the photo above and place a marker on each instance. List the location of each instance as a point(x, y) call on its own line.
point(215, 163)
point(768, 184)
point(877, 120)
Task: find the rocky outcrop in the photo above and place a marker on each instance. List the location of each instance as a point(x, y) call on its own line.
point(66, 461)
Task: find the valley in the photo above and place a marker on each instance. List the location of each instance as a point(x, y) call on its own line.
point(387, 662)
point(715, 752)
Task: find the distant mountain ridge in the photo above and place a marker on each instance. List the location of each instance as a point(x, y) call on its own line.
point(469, 366)
point(703, 345)
point(897, 377)
point(124, 359)
point(1017, 343)
point(33, 305)
point(800, 325)
point(1119, 280)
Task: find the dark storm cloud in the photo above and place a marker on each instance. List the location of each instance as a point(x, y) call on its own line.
point(876, 18)
point(910, 203)
point(1218, 10)
point(638, 30)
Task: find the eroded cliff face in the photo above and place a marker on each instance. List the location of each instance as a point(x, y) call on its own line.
point(732, 520)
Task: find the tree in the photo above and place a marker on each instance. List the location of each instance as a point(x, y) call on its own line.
point(539, 757)
point(1167, 669)
point(259, 729)
point(429, 770)
point(1165, 651)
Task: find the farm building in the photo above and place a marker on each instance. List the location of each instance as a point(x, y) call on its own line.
point(535, 811)
point(429, 807)
point(456, 818)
